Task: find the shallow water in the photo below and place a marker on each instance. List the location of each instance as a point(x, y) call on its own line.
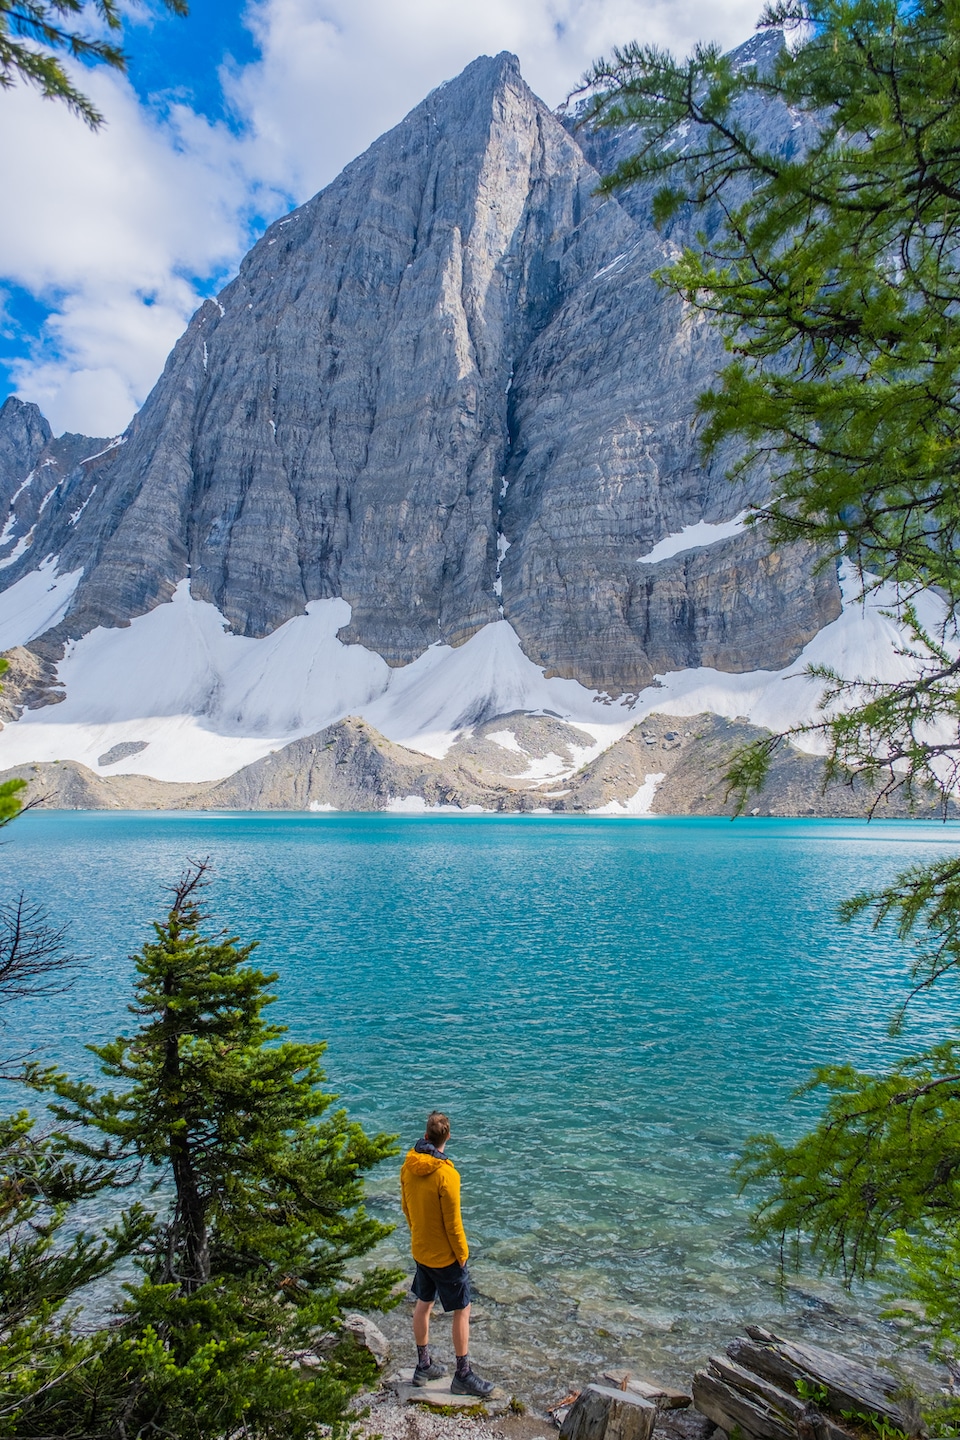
point(606, 1008)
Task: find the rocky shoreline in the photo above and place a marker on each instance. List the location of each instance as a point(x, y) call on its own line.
point(764, 1387)
point(514, 764)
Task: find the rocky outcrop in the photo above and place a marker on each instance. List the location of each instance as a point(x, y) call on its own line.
point(768, 1388)
point(28, 681)
point(67, 785)
point(45, 484)
point(350, 766)
point(23, 435)
point(446, 389)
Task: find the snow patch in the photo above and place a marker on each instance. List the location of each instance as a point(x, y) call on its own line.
point(506, 740)
point(22, 544)
point(546, 767)
point(12, 520)
point(617, 260)
point(208, 702)
point(862, 641)
point(446, 691)
point(691, 537)
point(35, 603)
point(416, 805)
point(638, 803)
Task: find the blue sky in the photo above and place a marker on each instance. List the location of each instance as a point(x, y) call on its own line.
point(108, 242)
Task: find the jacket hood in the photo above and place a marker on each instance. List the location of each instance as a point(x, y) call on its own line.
point(420, 1164)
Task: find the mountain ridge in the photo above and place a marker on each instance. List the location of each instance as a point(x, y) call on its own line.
point(434, 450)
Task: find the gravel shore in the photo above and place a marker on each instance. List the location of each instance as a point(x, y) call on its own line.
point(393, 1420)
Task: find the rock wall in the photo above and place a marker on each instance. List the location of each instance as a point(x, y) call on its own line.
point(447, 389)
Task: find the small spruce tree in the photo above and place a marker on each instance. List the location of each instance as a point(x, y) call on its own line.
point(247, 1266)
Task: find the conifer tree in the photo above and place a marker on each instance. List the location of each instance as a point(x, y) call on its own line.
point(251, 1255)
point(829, 259)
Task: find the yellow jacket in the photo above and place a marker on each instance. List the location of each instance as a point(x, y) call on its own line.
point(430, 1195)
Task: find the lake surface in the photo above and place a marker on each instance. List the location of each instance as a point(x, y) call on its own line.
point(606, 1008)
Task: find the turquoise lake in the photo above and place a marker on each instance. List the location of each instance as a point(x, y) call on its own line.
point(606, 1008)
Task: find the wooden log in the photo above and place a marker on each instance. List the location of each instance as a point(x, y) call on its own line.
point(602, 1413)
point(730, 1409)
point(850, 1385)
point(663, 1396)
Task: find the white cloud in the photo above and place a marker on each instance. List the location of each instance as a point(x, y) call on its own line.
point(121, 231)
point(108, 228)
point(334, 74)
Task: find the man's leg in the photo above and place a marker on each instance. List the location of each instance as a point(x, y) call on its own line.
point(421, 1322)
point(461, 1332)
point(466, 1381)
point(427, 1368)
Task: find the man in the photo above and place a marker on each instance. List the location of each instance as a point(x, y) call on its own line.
point(430, 1194)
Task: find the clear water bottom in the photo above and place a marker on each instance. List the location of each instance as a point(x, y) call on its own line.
point(605, 1008)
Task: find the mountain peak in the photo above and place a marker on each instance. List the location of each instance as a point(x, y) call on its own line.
point(448, 392)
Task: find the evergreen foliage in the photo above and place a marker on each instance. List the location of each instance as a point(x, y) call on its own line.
point(247, 1256)
point(833, 272)
point(34, 34)
point(830, 261)
point(10, 790)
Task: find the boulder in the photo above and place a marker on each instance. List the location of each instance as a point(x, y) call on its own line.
point(368, 1336)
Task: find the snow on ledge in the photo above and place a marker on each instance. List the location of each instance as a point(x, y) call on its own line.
point(416, 805)
point(35, 603)
point(691, 537)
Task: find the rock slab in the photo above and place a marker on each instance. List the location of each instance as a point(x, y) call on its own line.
point(770, 1388)
point(437, 1395)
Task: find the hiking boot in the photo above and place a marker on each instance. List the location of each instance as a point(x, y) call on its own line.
point(433, 1371)
point(471, 1384)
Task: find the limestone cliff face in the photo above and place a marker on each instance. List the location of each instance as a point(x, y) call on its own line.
point(446, 389)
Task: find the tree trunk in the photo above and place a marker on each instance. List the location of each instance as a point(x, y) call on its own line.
point(192, 1269)
point(602, 1413)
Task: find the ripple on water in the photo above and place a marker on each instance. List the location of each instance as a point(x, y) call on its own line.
point(607, 1009)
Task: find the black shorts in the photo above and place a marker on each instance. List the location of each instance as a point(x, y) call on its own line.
point(450, 1282)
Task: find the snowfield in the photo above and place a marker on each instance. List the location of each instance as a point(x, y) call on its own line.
point(205, 702)
point(35, 603)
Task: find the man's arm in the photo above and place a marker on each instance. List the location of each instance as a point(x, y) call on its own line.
point(450, 1209)
point(403, 1200)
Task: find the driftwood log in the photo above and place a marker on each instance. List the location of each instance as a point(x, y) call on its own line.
point(663, 1396)
point(602, 1413)
point(769, 1388)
